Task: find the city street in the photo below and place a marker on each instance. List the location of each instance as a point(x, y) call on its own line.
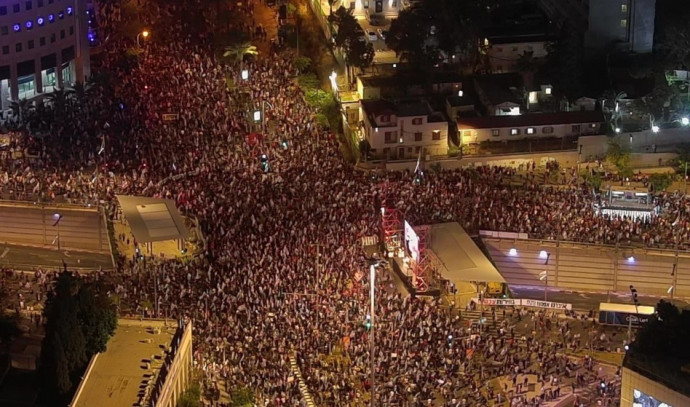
point(30, 258)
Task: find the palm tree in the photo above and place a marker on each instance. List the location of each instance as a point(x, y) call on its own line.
point(238, 51)
point(21, 110)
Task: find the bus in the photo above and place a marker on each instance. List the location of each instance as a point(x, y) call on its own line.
point(624, 314)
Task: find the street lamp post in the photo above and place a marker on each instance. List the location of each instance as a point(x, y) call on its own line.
point(58, 217)
point(633, 293)
point(544, 275)
point(144, 34)
point(372, 283)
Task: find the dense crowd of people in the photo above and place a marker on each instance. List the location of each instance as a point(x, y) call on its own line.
point(283, 214)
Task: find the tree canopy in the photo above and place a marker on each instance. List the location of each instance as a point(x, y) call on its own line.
point(80, 318)
point(434, 30)
point(666, 334)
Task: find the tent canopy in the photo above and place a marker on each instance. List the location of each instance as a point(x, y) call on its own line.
point(152, 219)
point(458, 257)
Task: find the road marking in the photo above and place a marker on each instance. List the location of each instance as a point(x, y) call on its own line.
point(4, 253)
point(66, 253)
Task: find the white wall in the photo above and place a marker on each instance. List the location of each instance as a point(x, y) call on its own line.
point(472, 136)
point(502, 57)
point(405, 130)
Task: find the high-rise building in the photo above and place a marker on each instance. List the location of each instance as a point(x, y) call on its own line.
point(624, 24)
point(43, 45)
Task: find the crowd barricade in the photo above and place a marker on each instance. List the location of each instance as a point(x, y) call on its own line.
point(514, 302)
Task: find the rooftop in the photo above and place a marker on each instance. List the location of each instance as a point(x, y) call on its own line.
point(531, 119)
point(153, 219)
point(499, 88)
point(411, 80)
point(133, 359)
point(458, 257)
point(416, 108)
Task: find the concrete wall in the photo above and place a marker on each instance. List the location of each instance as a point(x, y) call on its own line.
point(504, 56)
point(632, 381)
point(642, 30)
point(594, 268)
point(80, 227)
point(472, 136)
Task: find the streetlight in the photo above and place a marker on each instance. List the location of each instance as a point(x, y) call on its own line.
point(655, 128)
point(144, 34)
point(684, 121)
point(58, 217)
point(633, 293)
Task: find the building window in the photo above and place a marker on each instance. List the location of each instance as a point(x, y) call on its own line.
point(40, 3)
point(4, 30)
point(3, 10)
point(28, 5)
point(52, 38)
point(50, 1)
point(365, 4)
point(15, 8)
point(547, 130)
point(495, 132)
point(624, 23)
point(390, 137)
point(62, 34)
point(418, 136)
point(18, 47)
point(436, 135)
point(31, 44)
point(576, 128)
point(624, 8)
point(547, 90)
point(514, 132)
point(5, 49)
point(71, 30)
point(530, 130)
point(386, 118)
point(42, 41)
point(417, 121)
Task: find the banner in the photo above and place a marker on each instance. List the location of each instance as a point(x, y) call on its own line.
point(500, 302)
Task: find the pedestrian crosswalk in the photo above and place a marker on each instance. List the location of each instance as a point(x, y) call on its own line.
point(302, 386)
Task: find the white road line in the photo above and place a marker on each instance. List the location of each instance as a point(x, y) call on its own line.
point(4, 253)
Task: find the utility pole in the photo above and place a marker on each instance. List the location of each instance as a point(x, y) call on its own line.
point(372, 283)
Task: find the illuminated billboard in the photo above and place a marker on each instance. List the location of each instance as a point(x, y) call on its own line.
point(411, 241)
point(641, 399)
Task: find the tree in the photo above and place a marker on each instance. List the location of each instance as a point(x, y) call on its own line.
point(8, 323)
point(190, 397)
point(242, 397)
point(564, 64)
point(432, 30)
point(80, 318)
point(619, 156)
point(360, 54)
point(302, 63)
point(348, 27)
point(660, 182)
point(237, 52)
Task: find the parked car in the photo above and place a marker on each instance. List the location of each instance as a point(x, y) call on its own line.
point(371, 36)
point(382, 33)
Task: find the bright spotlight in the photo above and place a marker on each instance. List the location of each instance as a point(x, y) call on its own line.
point(543, 254)
point(618, 129)
point(245, 74)
point(512, 252)
point(685, 121)
point(631, 259)
point(655, 129)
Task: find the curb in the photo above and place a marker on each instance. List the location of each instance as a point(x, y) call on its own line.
point(302, 386)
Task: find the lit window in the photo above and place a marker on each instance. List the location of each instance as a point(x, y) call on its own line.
point(547, 130)
point(460, 93)
point(400, 140)
point(624, 8)
point(495, 132)
point(547, 90)
point(624, 23)
point(530, 130)
point(514, 132)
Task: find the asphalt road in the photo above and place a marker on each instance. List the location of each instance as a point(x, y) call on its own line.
point(29, 258)
point(588, 301)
